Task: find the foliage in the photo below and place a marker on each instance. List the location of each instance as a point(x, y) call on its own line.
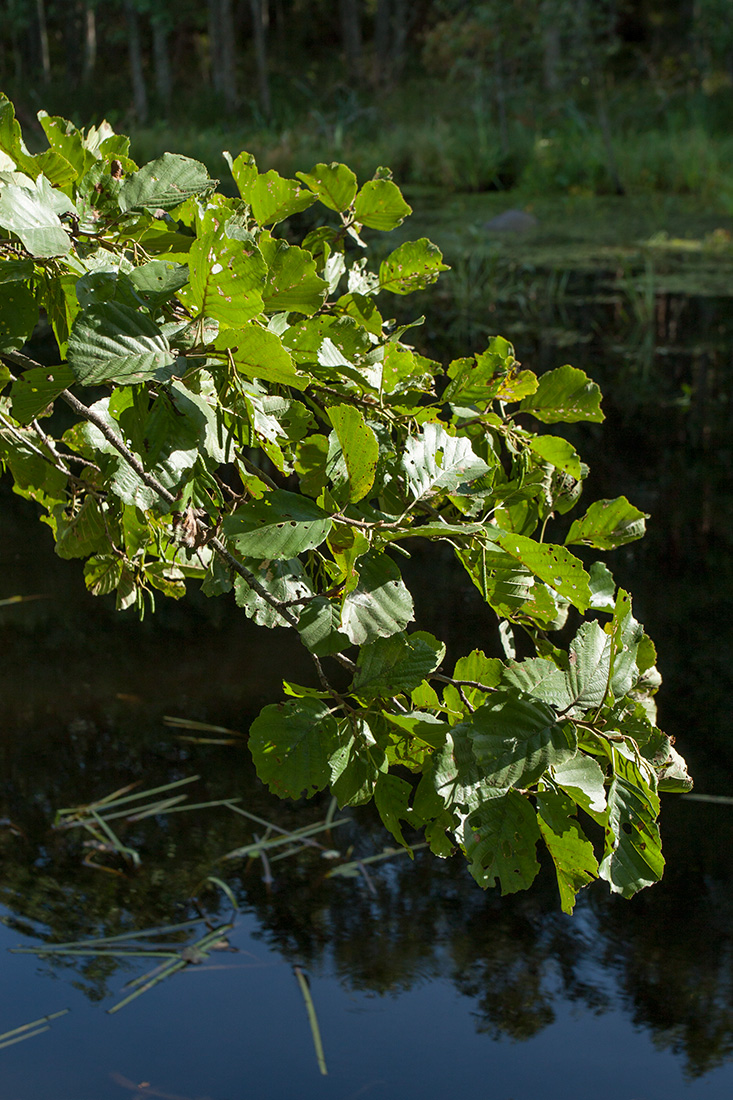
point(255, 424)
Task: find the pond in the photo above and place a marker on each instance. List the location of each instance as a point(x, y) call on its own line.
point(413, 980)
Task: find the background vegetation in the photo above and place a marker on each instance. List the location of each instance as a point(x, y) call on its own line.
point(579, 96)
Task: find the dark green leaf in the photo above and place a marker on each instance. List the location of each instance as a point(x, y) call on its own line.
point(164, 183)
point(18, 314)
point(356, 764)
point(390, 666)
point(281, 525)
point(516, 738)
point(380, 604)
point(291, 744)
point(500, 841)
point(37, 388)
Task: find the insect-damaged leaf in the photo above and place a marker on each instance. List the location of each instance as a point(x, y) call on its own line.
point(565, 394)
point(291, 744)
point(280, 525)
point(500, 840)
point(412, 266)
point(359, 447)
point(435, 461)
point(554, 565)
point(608, 524)
point(226, 280)
point(380, 205)
point(164, 183)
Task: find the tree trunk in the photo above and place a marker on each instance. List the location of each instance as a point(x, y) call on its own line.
point(216, 68)
point(260, 23)
point(137, 76)
point(43, 41)
point(550, 47)
point(351, 34)
point(161, 58)
point(229, 56)
point(90, 44)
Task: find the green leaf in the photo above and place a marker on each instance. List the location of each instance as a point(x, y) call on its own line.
point(380, 605)
point(412, 266)
point(293, 282)
point(516, 738)
point(64, 137)
point(435, 461)
point(359, 447)
point(585, 682)
point(157, 281)
point(633, 854)
point(283, 580)
point(102, 574)
point(626, 635)
point(334, 184)
point(380, 205)
point(258, 353)
point(500, 840)
point(602, 587)
point(273, 199)
point(318, 627)
point(28, 213)
point(565, 394)
point(608, 524)
point(558, 452)
point(113, 343)
point(291, 744)
point(281, 525)
point(391, 666)
point(356, 763)
point(571, 851)
point(37, 388)
point(227, 280)
point(18, 314)
point(164, 183)
point(582, 778)
point(392, 798)
point(82, 534)
point(552, 564)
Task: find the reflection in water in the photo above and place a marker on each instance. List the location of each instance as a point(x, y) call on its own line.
point(85, 690)
point(79, 726)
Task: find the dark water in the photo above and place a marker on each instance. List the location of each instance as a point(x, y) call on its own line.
point(423, 985)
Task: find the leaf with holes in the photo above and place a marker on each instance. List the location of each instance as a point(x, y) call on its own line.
point(291, 744)
point(412, 266)
point(280, 525)
point(608, 524)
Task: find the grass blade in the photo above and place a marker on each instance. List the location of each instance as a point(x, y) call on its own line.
point(24, 1032)
point(312, 1019)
